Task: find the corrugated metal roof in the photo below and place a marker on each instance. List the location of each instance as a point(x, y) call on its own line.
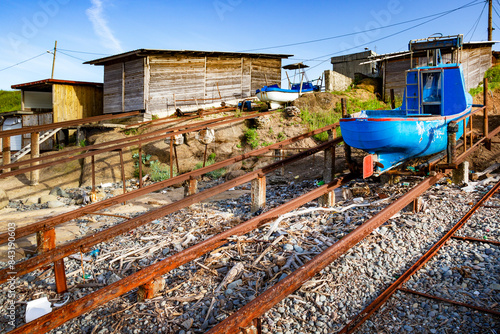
point(55, 81)
point(140, 53)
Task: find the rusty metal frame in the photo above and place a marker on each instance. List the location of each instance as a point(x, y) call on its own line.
point(85, 243)
point(62, 218)
point(51, 126)
point(425, 295)
point(260, 305)
point(121, 143)
point(103, 295)
point(380, 300)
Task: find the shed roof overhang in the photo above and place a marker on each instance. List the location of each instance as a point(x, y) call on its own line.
point(141, 53)
point(46, 84)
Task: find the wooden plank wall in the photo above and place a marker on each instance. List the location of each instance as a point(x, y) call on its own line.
point(225, 72)
point(475, 62)
point(134, 85)
point(192, 78)
point(112, 88)
point(34, 120)
point(262, 68)
point(124, 86)
point(75, 102)
point(181, 76)
point(395, 76)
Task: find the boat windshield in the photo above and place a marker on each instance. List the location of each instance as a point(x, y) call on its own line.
point(431, 92)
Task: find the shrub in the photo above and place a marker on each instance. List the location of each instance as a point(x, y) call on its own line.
point(252, 137)
point(218, 173)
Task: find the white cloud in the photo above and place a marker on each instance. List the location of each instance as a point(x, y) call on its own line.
point(108, 40)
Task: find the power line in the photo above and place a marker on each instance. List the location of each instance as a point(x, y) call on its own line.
point(476, 23)
point(89, 53)
point(473, 3)
point(24, 61)
point(385, 37)
point(64, 53)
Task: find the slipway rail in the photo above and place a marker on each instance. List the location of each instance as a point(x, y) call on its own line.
point(397, 285)
point(65, 217)
point(245, 316)
point(146, 275)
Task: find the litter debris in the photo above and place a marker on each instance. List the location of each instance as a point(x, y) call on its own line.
point(37, 308)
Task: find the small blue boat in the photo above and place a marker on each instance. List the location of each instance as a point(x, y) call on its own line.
point(278, 96)
point(434, 96)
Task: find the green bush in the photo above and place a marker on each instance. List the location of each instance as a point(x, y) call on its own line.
point(10, 101)
point(159, 171)
point(318, 120)
point(252, 137)
point(493, 74)
point(218, 173)
point(281, 136)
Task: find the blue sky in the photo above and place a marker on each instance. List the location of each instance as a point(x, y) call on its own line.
point(96, 28)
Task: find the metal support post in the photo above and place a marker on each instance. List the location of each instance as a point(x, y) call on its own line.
point(46, 241)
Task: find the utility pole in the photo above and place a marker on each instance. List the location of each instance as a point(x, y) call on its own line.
point(490, 20)
point(54, 59)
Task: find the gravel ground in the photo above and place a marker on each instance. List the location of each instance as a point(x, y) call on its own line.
point(197, 297)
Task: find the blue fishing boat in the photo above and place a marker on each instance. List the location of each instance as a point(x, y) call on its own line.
point(278, 96)
point(434, 96)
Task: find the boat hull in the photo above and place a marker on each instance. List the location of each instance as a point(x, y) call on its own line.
point(395, 139)
point(277, 96)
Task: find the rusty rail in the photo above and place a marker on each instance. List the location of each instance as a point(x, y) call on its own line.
point(51, 126)
point(62, 218)
point(85, 243)
point(121, 143)
point(380, 300)
point(141, 277)
point(260, 305)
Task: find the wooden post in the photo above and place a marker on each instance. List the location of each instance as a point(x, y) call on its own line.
point(150, 289)
point(452, 141)
point(46, 241)
point(6, 153)
point(191, 187)
point(35, 153)
point(393, 101)
point(258, 193)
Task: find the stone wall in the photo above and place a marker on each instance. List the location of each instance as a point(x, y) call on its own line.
point(335, 81)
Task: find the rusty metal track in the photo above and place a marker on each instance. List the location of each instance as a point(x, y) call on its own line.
point(54, 221)
point(103, 295)
point(493, 242)
point(125, 142)
point(116, 141)
point(51, 126)
point(260, 305)
point(380, 300)
point(481, 309)
point(85, 243)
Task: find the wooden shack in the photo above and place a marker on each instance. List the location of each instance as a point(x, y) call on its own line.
point(475, 58)
point(159, 81)
point(52, 100)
